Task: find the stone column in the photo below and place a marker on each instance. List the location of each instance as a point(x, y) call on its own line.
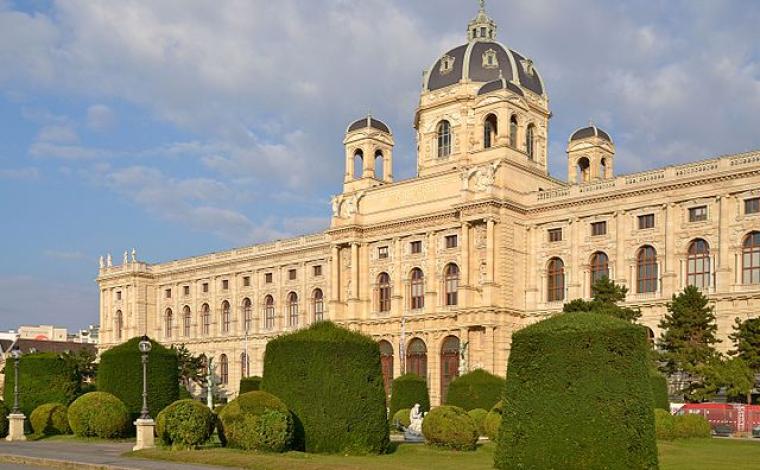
point(355, 270)
point(431, 274)
point(397, 291)
point(335, 275)
point(490, 261)
point(465, 287)
point(668, 273)
point(723, 278)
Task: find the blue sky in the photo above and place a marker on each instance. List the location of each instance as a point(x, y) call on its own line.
point(183, 126)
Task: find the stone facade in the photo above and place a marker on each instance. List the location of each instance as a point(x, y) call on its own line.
point(481, 243)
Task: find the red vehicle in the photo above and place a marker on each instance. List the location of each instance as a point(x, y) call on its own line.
point(739, 417)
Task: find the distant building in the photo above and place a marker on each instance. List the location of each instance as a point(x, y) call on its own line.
point(43, 333)
point(90, 335)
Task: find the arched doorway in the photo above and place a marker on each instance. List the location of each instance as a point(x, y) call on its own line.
point(416, 358)
point(386, 364)
point(449, 363)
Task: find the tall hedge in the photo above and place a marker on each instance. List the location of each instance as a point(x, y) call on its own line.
point(476, 389)
point(4, 412)
point(249, 384)
point(578, 396)
point(408, 390)
point(43, 378)
point(120, 374)
point(331, 380)
point(659, 385)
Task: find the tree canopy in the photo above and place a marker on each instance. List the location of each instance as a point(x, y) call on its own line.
point(607, 296)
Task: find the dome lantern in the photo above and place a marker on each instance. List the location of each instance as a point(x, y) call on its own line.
point(482, 27)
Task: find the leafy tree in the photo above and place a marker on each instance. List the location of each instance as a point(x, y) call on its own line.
point(731, 375)
point(607, 296)
point(84, 363)
point(191, 368)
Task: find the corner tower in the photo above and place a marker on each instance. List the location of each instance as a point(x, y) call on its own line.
point(590, 155)
point(369, 154)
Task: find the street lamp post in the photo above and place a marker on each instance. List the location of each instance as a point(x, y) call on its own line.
point(145, 425)
point(16, 418)
point(145, 347)
point(16, 353)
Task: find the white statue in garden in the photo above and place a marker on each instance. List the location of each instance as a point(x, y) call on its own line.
point(415, 420)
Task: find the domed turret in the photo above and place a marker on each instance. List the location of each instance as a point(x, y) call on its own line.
point(369, 154)
point(590, 155)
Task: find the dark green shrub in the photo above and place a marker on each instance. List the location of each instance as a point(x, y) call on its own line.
point(120, 374)
point(401, 419)
point(451, 427)
point(183, 394)
point(659, 391)
point(185, 424)
point(50, 419)
point(3, 419)
point(663, 424)
point(250, 384)
point(331, 380)
point(476, 389)
point(256, 421)
point(43, 378)
point(578, 396)
point(407, 390)
point(690, 425)
point(98, 414)
point(492, 421)
point(478, 415)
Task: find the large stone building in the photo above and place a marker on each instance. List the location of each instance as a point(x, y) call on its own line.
point(442, 268)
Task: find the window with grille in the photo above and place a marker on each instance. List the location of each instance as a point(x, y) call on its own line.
point(555, 235)
point(451, 284)
point(698, 264)
point(417, 289)
point(751, 259)
point(383, 293)
point(444, 139)
point(646, 270)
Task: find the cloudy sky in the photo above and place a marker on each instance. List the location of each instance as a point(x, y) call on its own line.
point(181, 127)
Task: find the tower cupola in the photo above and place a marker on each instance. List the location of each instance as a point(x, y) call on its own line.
point(369, 154)
point(482, 27)
point(590, 155)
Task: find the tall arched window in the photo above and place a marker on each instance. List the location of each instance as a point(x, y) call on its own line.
point(383, 293)
point(269, 312)
point(118, 325)
point(416, 358)
point(451, 284)
point(698, 264)
point(168, 323)
point(449, 364)
point(490, 130)
point(225, 317)
point(555, 280)
point(513, 131)
point(358, 163)
point(186, 321)
point(386, 364)
point(600, 267)
point(293, 309)
point(646, 270)
point(205, 320)
point(603, 168)
point(318, 299)
point(751, 259)
point(224, 369)
point(417, 289)
point(443, 132)
point(583, 170)
point(247, 315)
point(245, 365)
point(530, 141)
point(379, 165)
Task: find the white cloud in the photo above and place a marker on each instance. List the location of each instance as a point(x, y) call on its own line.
point(20, 174)
point(62, 134)
point(100, 117)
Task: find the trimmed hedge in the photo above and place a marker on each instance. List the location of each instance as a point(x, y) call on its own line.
point(659, 385)
point(663, 425)
point(98, 414)
point(686, 426)
point(250, 384)
point(50, 419)
point(331, 380)
point(120, 374)
point(185, 424)
point(578, 396)
point(476, 389)
point(3, 419)
point(478, 415)
point(256, 421)
point(492, 422)
point(401, 418)
point(43, 378)
point(450, 427)
point(407, 390)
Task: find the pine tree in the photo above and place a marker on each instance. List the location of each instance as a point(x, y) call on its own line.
point(191, 368)
point(746, 338)
point(607, 296)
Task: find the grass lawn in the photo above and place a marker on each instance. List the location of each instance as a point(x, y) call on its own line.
point(694, 454)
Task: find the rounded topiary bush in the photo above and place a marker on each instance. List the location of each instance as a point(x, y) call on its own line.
point(256, 421)
point(478, 415)
point(408, 390)
point(250, 384)
point(43, 378)
point(492, 421)
point(98, 414)
point(451, 427)
point(50, 419)
point(663, 424)
point(401, 419)
point(185, 424)
point(330, 378)
point(3, 420)
point(120, 374)
point(659, 385)
point(578, 396)
point(476, 389)
point(690, 425)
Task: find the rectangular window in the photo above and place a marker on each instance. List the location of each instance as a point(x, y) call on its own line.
point(451, 241)
point(225, 284)
point(752, 206)
point(698, 214)
point(118, 295)
point(646, 221)
point(186, 290)
point(246, 281)
point(382, 252)
point(205, 287)
point(268, 278)
point(598, 228)
point(317, 270)
point(416, 247)
point(168, 293)
point(555, 235)
point(292, 274)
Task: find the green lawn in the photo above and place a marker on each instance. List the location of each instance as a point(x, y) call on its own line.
point(694, 454)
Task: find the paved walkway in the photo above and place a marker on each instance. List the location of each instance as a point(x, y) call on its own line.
point(65, 454)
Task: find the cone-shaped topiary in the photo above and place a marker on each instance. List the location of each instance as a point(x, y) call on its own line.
point(50, 419)
point(98, 414)
point(43, 378)
point(571, 380)
point(185, 424)
point(451, 427)
point(476, 389)
point(120, 374)
point(492, 421)
point(408, 390)
point(331, 380)
point(479, 416)
point(256, 421)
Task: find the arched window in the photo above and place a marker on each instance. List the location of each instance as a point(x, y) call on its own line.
point(186, 321)
point(383, 293)
point(319, 305)
point(530, 141)
point(513, 131)
point(379, 164)
point(224, 370)
point(245, 365)
point(168, 320)
point(225, 317)
point(205, 320)
point(600, 267)
point(451, 284)
point(698, 264)
point(490, 130)
point(444, 139)
point(417, 289)
point(386, 364)
point(293, 309)
point(603, 168)
point(646, 270)
point(650, 337)
point(449, 364)
point(555, 280)
point(247, 314)
point(118, 324)
point(751, 259)
point(269, 312)
point(584, 170)
point(416, 358)
point(358, 163)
